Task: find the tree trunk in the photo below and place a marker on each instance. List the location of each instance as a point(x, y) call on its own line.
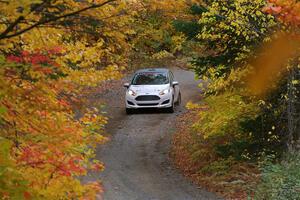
point(293, 109)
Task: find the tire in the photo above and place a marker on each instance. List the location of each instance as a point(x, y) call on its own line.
point(129, 111)
point(172, 108)
point(178, 102)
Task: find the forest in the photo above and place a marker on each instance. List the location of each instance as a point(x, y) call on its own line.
point(241, 141)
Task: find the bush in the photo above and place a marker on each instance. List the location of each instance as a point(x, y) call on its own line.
point(280, 181)
point(230, 31)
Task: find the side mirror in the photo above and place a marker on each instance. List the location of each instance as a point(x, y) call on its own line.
point(126, 85)
point(175, 83)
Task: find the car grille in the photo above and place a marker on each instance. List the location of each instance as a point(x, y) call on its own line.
point(147, 98)
point(147, 104)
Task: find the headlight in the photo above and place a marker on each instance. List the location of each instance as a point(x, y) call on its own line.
point(166, 91)
point(131, 92)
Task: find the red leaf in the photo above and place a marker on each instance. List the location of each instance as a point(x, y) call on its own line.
point(276, 10)
point(27, 195)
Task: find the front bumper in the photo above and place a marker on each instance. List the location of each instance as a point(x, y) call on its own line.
point(165, 101)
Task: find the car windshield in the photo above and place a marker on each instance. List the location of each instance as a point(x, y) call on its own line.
point(150, 78)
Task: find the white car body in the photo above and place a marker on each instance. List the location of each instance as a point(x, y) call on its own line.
point(153, 96)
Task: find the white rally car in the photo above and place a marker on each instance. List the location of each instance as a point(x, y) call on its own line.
point(152, 88)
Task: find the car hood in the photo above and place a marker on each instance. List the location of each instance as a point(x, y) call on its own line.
point(149, 89)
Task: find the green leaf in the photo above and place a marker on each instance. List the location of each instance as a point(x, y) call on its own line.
point(2, 59)
point(2, 110)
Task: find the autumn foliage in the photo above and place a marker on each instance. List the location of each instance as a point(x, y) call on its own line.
point(236, 140)
point(51, 51)
point(43, 145)
point(46, 61)
point(286, 10)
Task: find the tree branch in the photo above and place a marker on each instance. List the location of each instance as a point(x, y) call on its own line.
point(11, 26)
point(18, 20)
point(6, 35)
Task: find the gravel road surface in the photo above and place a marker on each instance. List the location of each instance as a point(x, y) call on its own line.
point(136, 157)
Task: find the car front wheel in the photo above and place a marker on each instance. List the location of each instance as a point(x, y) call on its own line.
point(178, 102)
point(172, 108)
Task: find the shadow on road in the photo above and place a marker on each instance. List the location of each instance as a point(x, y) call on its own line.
point(150, 111)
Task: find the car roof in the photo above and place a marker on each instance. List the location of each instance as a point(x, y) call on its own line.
point(153, 70)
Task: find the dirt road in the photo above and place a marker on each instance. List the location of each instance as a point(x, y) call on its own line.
point(136, 158)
